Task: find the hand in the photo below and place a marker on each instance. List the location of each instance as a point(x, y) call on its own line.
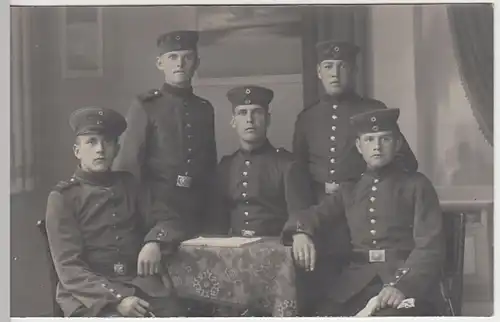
point(149, 261)
point(133, 306)
point(390, 297)
point(304, 251)
point(331, 187)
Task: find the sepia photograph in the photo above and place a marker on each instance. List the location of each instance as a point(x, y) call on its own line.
point(298, 160)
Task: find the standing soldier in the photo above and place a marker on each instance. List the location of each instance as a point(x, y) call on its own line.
point(324, 143)
point(170, 140)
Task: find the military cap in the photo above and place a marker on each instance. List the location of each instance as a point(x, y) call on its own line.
point(336, 50)
point(378, 120)
point(96, 120)
point(177, 40)
point(250, 94)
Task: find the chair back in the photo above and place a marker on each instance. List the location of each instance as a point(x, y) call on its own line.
point(454, 230)
point(56, 309)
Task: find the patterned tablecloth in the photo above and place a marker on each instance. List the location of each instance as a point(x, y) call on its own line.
point(259, 275)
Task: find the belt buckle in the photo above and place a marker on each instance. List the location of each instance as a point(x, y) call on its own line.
point(247, 233)
point(119, 268)
point(376, 255)
point(184, 181)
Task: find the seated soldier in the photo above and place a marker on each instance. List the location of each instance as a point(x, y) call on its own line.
point(96, 228)
point(258, 185)
point(395, 224)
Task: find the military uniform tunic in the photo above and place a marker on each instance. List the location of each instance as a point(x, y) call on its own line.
point(391, 210)
point(96, 228)
point(170, 145)
point(256, 191)
point(324, 143)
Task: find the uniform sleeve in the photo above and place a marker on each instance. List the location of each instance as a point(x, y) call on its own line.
point(212, 146)
point(218, 219)
point(309, 220)
point(423, 267)
point(163, 225)
point(130, 158)
point(298, 190)
point(300, 147)
point(66, 246)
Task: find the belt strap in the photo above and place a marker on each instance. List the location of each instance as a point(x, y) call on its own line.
point(378, 255)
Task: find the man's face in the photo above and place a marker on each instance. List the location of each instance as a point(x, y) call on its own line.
point(96, 152)
point(251, 122)
point(178, 66)
point(379, 148)
point(336, 75)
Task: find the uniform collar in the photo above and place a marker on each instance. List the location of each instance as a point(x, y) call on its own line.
point(95, 178)
point(383, 172)
point(177, 91)
point(266, 147)
point(350, 95)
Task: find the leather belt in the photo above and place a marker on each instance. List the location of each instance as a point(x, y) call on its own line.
point(378, 255)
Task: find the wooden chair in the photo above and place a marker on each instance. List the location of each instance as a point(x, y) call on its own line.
point(56, 310)
point(452, 283)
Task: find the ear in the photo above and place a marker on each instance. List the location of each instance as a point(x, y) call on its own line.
point(358, 144)
point(117, 149)
point(233, 122)
point(197, 62)
point(76, 150)
point(318, 70)
point(268, 117)
point(159, 63)
point(399, 142)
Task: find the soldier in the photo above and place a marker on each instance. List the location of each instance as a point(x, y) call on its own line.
point(258, 185)
point(170, 140)
point(395, 224)
point(96, 223)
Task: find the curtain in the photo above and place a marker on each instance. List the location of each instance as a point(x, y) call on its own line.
point(472, 32)
point(339, 22)
point(21, 139)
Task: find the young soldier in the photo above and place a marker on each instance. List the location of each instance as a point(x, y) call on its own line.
point(258, 185)
point(395, 224)
point(170, 140)
point(96, 225)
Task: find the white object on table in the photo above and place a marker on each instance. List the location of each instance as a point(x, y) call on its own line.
point(220, 241)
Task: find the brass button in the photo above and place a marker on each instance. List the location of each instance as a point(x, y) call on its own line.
point(373, 231)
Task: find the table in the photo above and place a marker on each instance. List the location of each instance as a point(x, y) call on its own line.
point(258, 275)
